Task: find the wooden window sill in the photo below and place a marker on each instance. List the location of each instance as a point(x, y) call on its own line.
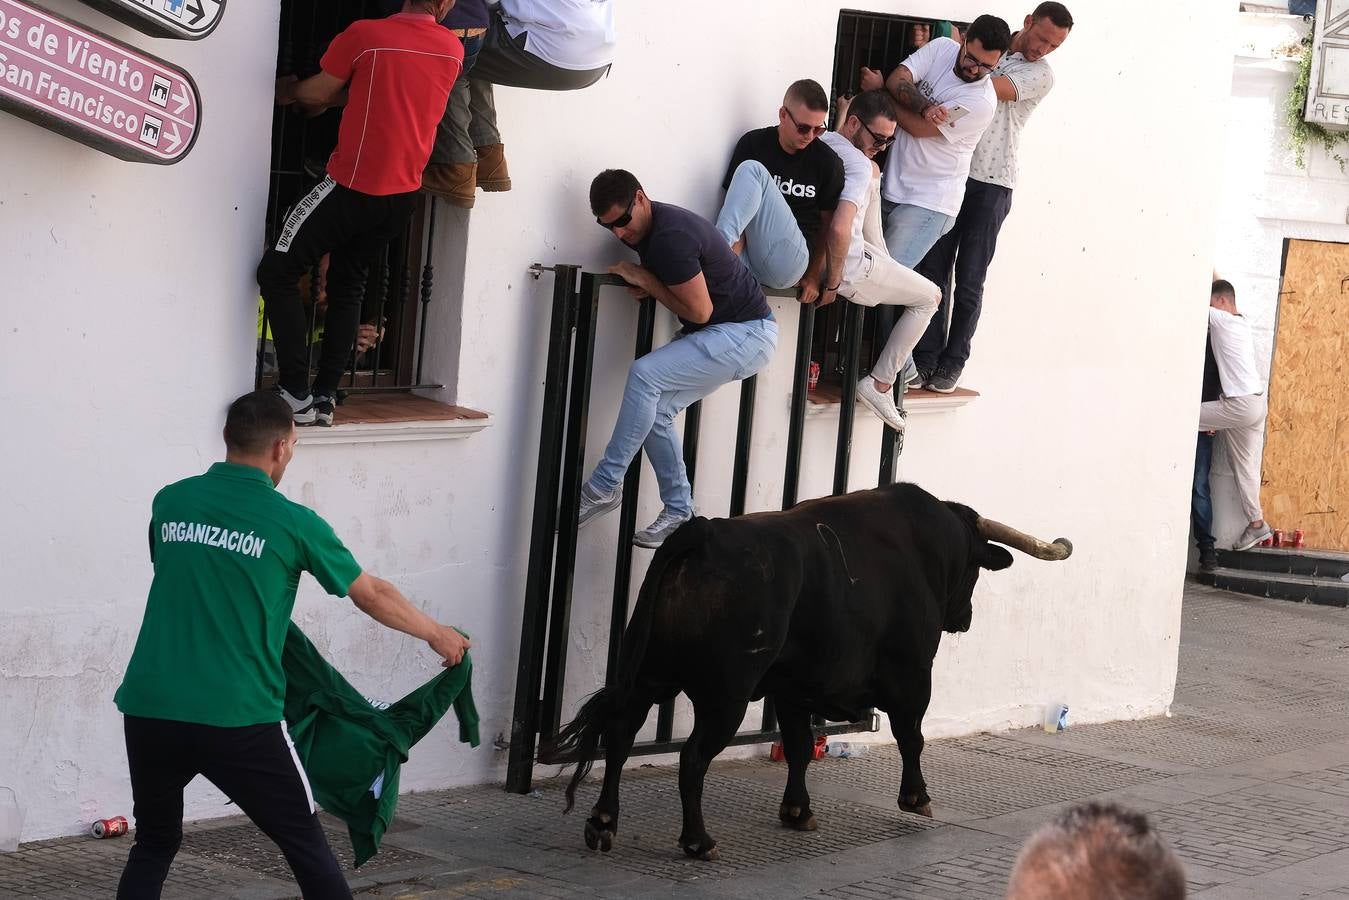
point(381, 418)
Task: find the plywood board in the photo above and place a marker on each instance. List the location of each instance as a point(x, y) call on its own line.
point(1305, 476)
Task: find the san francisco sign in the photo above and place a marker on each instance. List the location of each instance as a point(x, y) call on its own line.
point(93, 89)
point(187, 19)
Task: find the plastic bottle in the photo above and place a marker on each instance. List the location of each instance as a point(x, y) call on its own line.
point(844, 749)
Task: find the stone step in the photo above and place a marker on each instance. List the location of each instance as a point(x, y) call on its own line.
point(1280, 586)
point(1314, 563)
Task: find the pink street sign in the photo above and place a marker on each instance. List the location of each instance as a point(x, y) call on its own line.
point(85, 85)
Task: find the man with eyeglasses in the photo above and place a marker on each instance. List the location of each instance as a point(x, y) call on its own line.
point(1021, 81)
point(782, 188)
point(946, 101)
point(728, 334)
point(867, 125)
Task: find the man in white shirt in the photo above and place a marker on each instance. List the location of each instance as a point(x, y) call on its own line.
point(869, 276)
point(1239, 414)
point(1021, 81)
point(549, 45)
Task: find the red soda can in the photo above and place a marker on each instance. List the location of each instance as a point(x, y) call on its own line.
point(814, 378)
point(1278, 540)
point(106, 828)
point(1297, 537)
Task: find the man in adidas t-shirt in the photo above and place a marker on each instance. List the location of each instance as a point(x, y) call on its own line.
point(782, 187)
point(396, 74)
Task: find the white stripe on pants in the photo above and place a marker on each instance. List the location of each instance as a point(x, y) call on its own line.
point(1240, 423)
point(880, 280)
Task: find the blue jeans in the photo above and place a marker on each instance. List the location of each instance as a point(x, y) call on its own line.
point(967, 250)
point(664, 382)
point(1201, 502)
point(775, 249)
point(910, 231)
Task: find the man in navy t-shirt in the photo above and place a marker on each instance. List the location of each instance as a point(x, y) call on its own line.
point(728, 334)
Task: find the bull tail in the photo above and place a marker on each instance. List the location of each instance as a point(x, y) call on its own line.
point(579, 740)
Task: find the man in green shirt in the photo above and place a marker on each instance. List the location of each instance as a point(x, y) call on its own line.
point(204, 690)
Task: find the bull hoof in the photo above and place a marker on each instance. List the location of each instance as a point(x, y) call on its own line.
point(918, 804)
point(798, 818)
point(600, 831)
point(706, 850)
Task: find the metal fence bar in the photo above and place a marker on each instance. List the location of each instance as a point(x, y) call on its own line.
point(796, 428)
point(847, 411)
point(534, 620)
point(578, 418)
point(627, 514)
point(428, 281)
point(744, 434)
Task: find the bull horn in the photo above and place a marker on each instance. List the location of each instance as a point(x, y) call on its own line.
point(989, 530)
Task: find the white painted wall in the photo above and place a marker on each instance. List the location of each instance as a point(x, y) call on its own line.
point(138, 283)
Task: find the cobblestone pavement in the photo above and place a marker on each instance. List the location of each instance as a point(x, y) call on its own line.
point(1249, 780)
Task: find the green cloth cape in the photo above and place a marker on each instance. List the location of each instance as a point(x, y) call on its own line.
point(346, 741)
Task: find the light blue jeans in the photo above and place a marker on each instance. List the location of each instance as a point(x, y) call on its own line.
point(664, 382)
point(911, 231)
point(775, 250)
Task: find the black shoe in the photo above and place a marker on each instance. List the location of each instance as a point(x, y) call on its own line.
point(944, 380)
point(1208, 560)
point(324, 405)
point(302, 408)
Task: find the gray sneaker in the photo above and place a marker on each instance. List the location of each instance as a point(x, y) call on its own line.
point(324, 404)
point(881, 403)
point(595, 504)
point(302, 408)
point(1252, 536)
point(666, 524)
point(944, 380)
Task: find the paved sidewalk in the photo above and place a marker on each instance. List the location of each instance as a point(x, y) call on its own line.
point(1249, 779)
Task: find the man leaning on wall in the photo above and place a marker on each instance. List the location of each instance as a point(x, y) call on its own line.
point(1238, 416)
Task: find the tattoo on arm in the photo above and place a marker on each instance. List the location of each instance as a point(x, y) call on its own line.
point(907, 93)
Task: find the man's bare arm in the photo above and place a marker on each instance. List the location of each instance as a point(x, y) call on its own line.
point(838, 237)
point(689, 300)
point(901, 87)
point(1005, 88)
point(384, 603)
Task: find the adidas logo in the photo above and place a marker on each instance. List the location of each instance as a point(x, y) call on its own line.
point(791, 189)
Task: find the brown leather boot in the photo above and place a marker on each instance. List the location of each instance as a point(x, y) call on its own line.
point(453, 183)
point(492, 172)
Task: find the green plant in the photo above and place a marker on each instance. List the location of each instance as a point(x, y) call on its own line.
point(1300, 131)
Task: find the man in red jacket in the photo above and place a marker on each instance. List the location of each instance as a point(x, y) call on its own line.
point(394, 75)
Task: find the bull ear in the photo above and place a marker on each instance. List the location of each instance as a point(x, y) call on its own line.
point(993, 557)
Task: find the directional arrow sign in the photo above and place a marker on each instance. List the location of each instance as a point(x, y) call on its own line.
point(93, 89)
point(187, 19)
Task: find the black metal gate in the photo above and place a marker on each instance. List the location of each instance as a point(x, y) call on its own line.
point(552, 549)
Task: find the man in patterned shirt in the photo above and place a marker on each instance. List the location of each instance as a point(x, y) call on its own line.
point(1022, 80)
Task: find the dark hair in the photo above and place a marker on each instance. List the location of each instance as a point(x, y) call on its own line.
point(809, 93)
point(1223, 289)
point(870, 104)
point(1096, 851)
point(1054, 12)
point(612, 187)
point(256, 421)
point(990, 31)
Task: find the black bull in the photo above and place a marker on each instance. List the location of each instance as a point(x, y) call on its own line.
point(831, 607)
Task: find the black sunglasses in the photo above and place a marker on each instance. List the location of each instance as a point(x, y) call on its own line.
point(804, 130)
point(969, 62)
point(622, 221)
point(880, 142)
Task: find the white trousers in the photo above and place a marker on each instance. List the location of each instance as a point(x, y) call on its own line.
point(1240, 423)
point(880, 280)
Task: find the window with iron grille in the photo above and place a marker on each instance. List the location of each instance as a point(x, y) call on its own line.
point(400, 282)
point(877, 41)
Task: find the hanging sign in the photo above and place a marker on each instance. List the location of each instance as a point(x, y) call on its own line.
point(187, 19)
point(85, 85)
point(1328, 87)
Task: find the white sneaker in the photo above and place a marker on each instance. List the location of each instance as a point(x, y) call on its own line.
point(594, 504)
point(881, 403)
point(1252, 536)
point(301, 409)
point(666, 524)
